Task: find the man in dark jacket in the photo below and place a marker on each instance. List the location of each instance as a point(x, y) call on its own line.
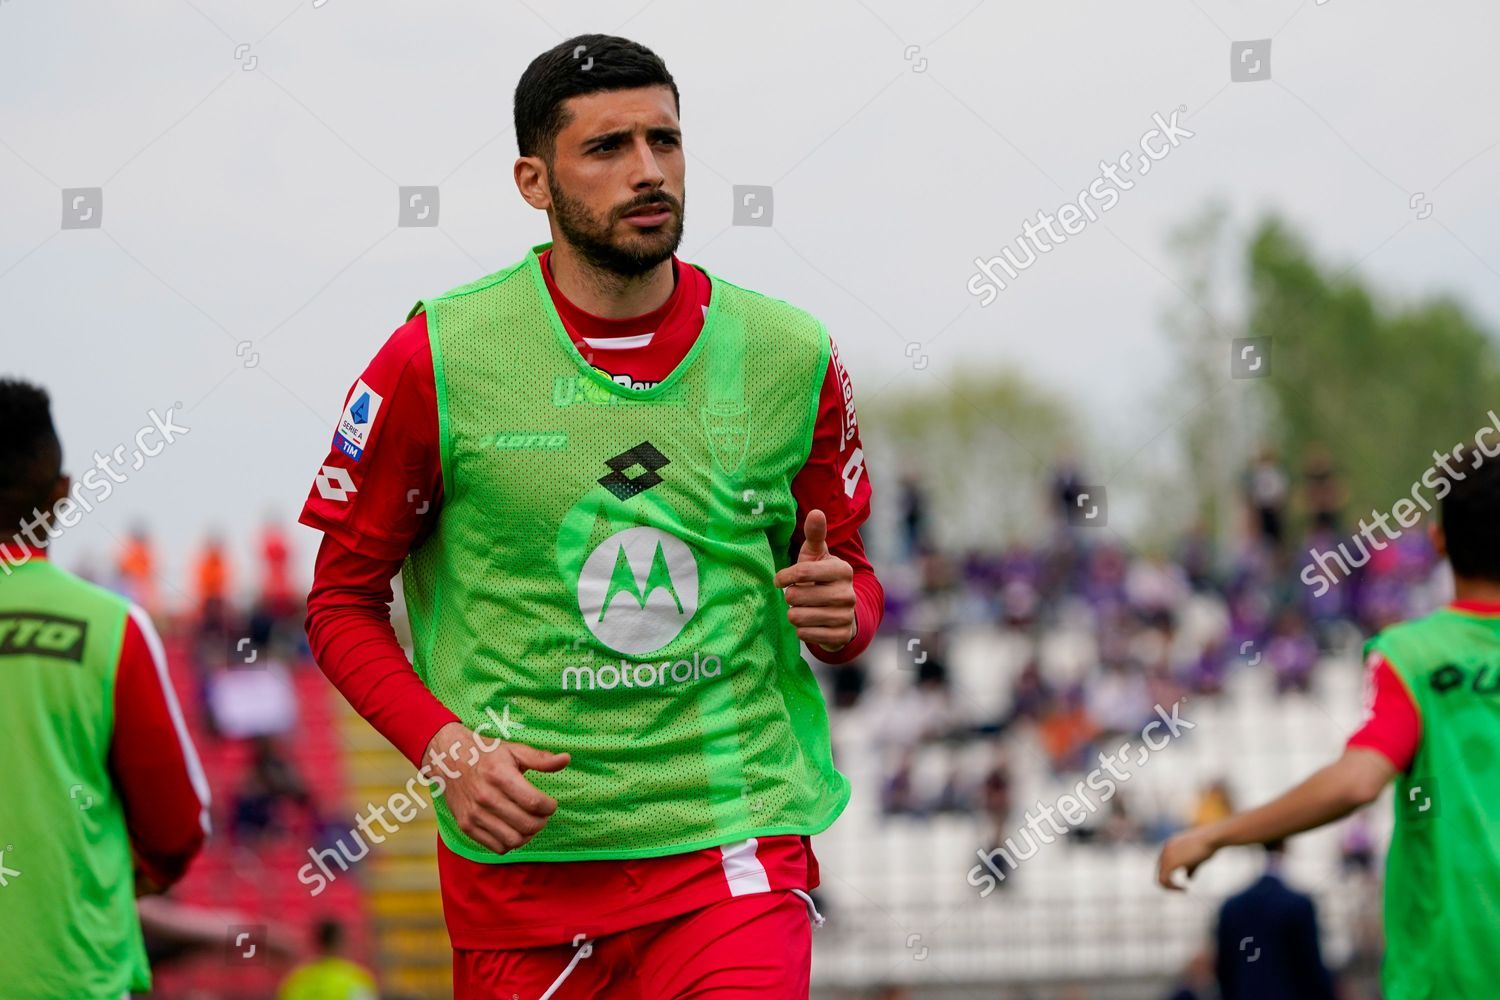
point(1268, 941)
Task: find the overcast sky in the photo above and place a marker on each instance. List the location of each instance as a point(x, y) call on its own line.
point(250, 155)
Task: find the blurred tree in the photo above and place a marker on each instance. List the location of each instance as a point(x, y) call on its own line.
point(1220, 424)
point(983, 446)
point(1379, 385)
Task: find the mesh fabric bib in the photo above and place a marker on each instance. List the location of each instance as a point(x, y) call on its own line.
point(67, 891)
point(601, 573)
point(1442, 887)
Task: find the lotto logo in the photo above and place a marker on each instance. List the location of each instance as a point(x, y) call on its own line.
point(335, 483)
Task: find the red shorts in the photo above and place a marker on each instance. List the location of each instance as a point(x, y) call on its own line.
point(756, 946)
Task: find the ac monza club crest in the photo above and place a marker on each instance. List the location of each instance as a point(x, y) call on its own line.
point(727, 425)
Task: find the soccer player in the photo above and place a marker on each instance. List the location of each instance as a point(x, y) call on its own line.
point(619, 491)
point(103, 792)
point(1433, 725)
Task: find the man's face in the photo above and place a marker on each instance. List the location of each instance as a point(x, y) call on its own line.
point(616, 179)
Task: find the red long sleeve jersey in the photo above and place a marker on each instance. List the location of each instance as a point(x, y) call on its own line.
point(377, 496)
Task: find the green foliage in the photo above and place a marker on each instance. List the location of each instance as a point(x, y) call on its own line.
point(1381, 385)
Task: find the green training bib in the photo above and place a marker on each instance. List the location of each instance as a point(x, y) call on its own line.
point(1442, 883)
point(603, 568)
point(67, 888)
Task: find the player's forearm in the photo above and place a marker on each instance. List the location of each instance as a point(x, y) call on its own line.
point(1331, 793)
point(350, 634)
point(362, 659)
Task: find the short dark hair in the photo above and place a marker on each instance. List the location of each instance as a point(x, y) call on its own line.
point(329, 934)
point(584, 64)
point(30, 454)
point(1471, 516)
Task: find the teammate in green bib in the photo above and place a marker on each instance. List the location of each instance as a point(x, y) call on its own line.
point(1442, 879)
point(96, 802)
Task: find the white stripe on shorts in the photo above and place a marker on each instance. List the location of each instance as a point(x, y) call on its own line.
point(743, 870)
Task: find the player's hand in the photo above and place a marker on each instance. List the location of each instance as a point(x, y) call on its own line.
point(819, 589)
point(1188, 849)
point(488, 797)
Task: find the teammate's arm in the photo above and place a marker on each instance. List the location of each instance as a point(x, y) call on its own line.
point(153, 764)
point(1334, 791)
point(1383, 746)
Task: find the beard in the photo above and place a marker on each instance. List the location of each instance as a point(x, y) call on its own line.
point(594, 237)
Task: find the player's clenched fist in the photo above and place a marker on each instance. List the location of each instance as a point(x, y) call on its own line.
point(819, 589)
point(484, 787)
point(1187, 850)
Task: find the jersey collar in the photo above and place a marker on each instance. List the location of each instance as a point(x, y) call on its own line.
point(17, 552)
point(1486, 608)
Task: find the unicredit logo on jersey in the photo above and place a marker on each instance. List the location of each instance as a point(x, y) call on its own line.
point(637, 591)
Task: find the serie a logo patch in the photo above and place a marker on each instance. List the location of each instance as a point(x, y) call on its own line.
point(359, 416)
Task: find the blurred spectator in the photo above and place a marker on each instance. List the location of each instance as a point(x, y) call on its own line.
point(271, 790)
point(1324, 490)
point(1266, 487)
point(1156, 588)
point(1357, 845)
point(1120, 826)
point(1197, 558)
point(1268, 941)
point(211, 607)
point(913, 507)
point(1292, 651)
point(896, 795)
point(1118, 700)
point(278, 601)
point(329, 976)
point(1066, 731)
point(849, 681)
point(1030, 695)
point(995, 795)
point(1067, 487)
point(211, 577)
point(1213, 803)
point(136, 570)
point(1205, 675)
